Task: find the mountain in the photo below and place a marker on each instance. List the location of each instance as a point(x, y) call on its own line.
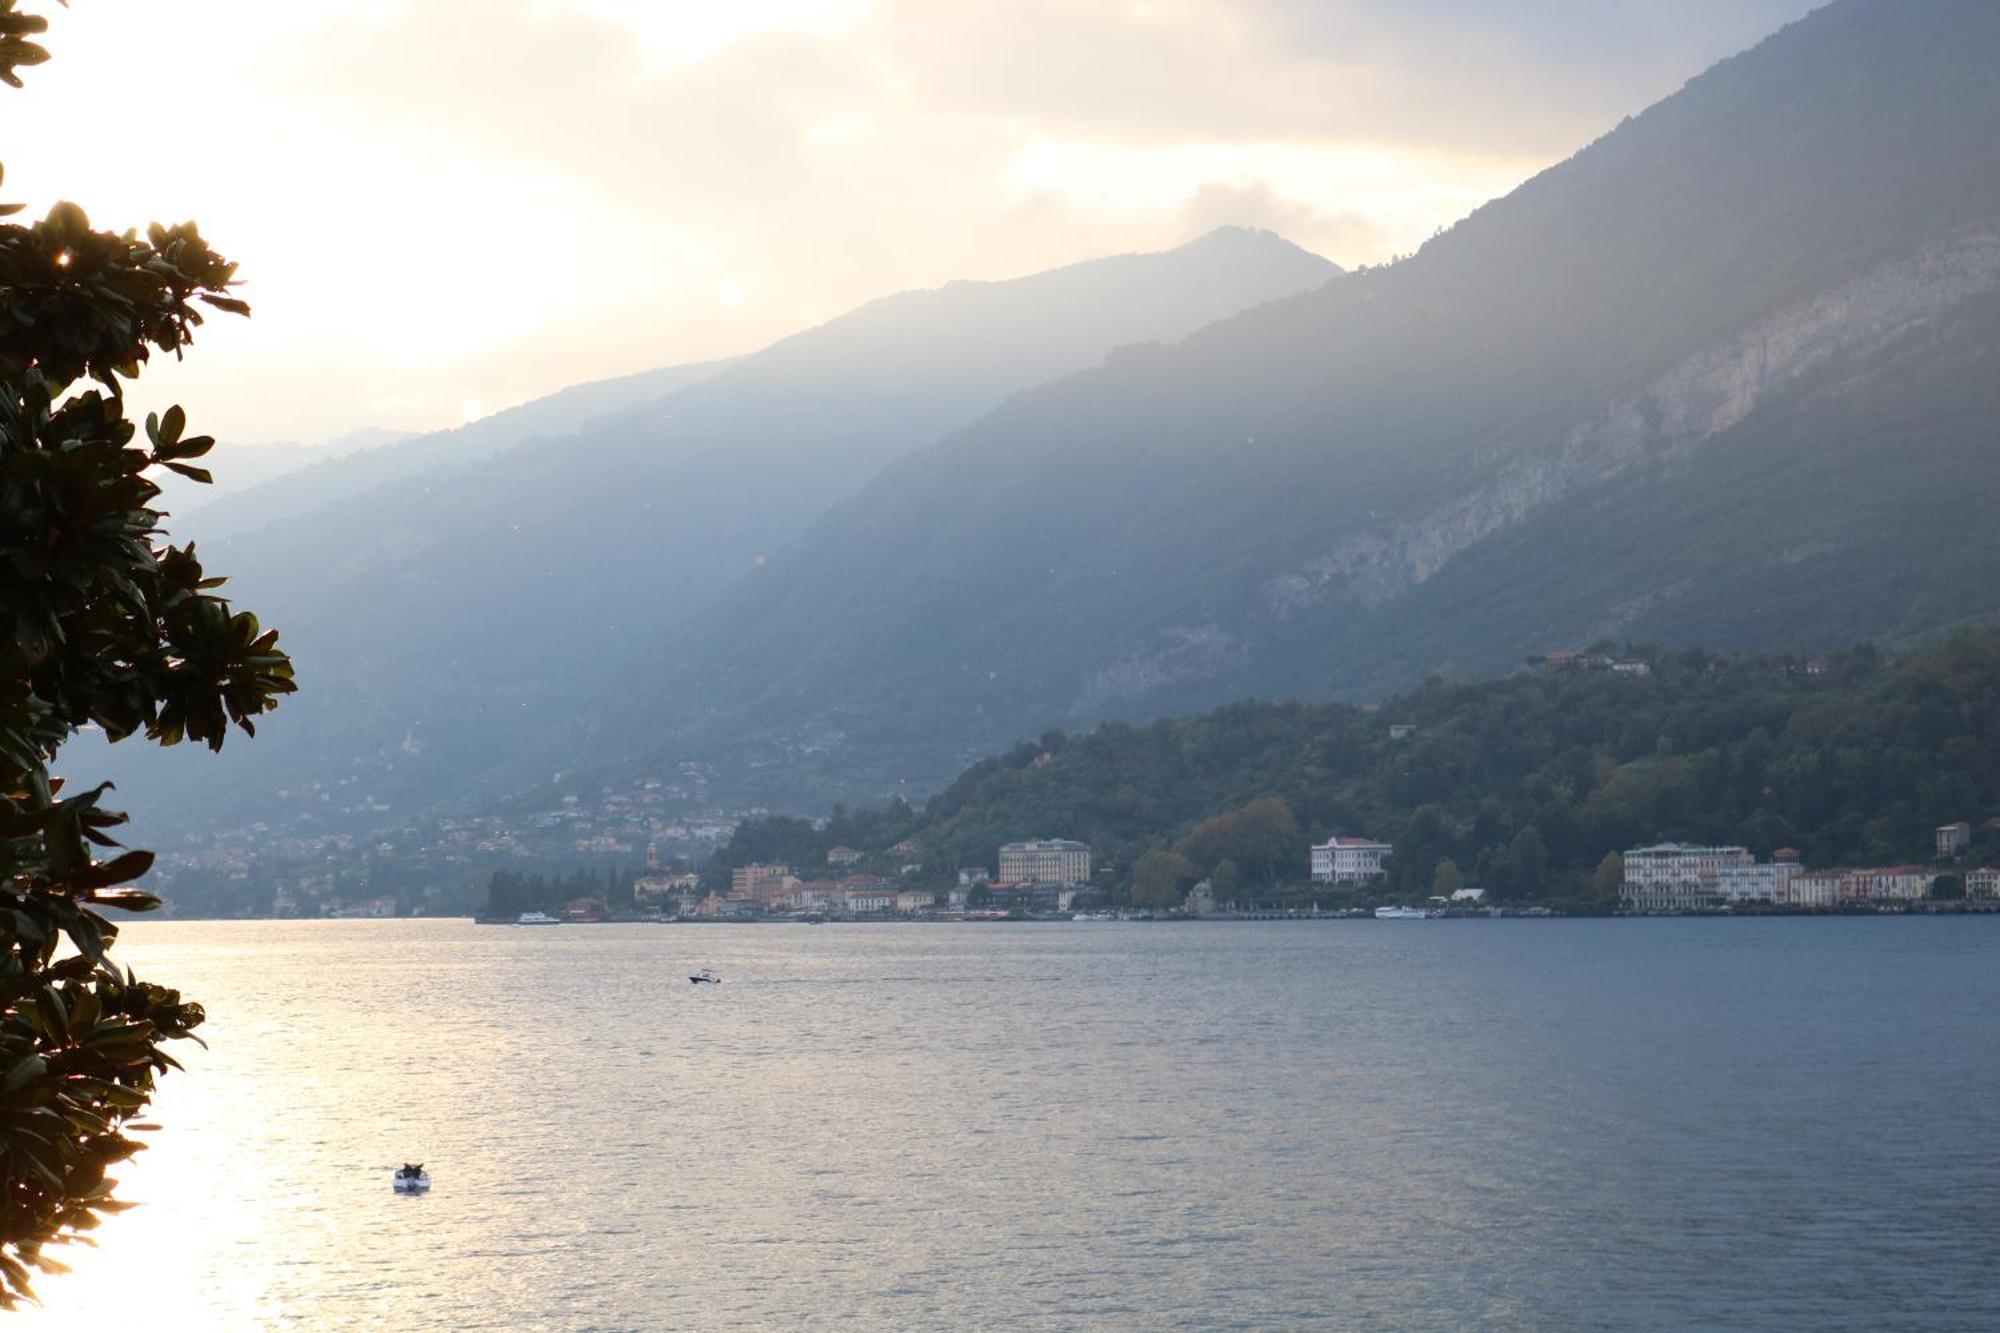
point(1727, 375)
point(277, 496)
point(449, 601)
point(243, 467)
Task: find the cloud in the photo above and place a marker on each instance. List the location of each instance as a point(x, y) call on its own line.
point(441, 201)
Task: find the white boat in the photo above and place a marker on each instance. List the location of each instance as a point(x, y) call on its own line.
point(537, 919)
point(410, 1179)
point(1093, 916)
point(705, 978)
point(1400, 914)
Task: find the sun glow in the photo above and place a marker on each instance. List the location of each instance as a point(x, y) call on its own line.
point(685, 31)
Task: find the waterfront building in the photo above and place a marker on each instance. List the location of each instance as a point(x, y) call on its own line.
point(1815, 889)
point(1350, 861)
point(871, 900)
point(1983, 883)
point(812, 895)
point(915, 900)
point(1677, 876)
point(1200, 900)
point(655, 888)
point(1892, 884)
point(1953, 839)
point(1765, 883)
point(1045, 861)
point(759, 882)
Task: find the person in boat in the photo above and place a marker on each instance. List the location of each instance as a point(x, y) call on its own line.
point(410, 1172)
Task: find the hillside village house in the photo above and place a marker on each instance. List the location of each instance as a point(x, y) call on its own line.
point(842, 856)
point(1055, 861)
point(1350, 861)
point(1953, 839)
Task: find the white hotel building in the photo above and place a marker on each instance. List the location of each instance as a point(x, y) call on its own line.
point(1350, 861)
point(1768, 882)
point(1057, 861)
point(1680, 877)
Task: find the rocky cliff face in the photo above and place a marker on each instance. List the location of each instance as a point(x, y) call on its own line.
point(1671, 418)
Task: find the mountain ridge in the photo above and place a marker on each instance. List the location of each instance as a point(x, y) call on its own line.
point(1248, 512)
point(449, 601)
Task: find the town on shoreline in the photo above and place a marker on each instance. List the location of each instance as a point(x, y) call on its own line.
point(1051, 880)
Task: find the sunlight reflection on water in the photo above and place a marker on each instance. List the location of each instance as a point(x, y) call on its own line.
point(1432, 1125)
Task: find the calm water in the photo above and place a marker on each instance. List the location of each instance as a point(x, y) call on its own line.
point(1422, 1125)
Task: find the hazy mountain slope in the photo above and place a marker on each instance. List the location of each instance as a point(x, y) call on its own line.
point(241, 467)
point(319, 481)
point(447, 618)
point(1315, 496)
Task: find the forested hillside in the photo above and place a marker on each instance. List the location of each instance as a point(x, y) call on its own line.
point(1525, 783)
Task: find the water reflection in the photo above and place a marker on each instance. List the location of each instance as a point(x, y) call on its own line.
point(1728, 1124)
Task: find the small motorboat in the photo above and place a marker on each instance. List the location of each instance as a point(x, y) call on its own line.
point(1400, 914)
point(537, 919)
point(410, 1179)
point(705, 978)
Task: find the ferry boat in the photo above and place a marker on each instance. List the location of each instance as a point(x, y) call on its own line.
point(537, 919)
point(410, 1179)
point(1400, 914)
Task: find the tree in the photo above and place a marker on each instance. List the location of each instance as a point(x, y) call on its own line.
point(1258, 834)
point(1527, 861)
point(1160, 879)
point(1225, 882)
point(101, 623)
point(1448, 879)
point(1609, 877)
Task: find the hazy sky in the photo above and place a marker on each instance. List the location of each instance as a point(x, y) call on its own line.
point(443, 207)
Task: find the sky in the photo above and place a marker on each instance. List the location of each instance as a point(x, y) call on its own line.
point(445, 207)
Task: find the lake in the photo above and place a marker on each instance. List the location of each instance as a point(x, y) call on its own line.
point(1671, 1124)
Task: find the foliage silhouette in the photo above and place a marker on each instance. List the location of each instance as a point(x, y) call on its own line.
point(101, 624)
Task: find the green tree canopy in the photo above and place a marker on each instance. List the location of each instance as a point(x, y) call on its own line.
point(102, 623)
point(1260, 834)
point(1608, 878)
point(1161, 879)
